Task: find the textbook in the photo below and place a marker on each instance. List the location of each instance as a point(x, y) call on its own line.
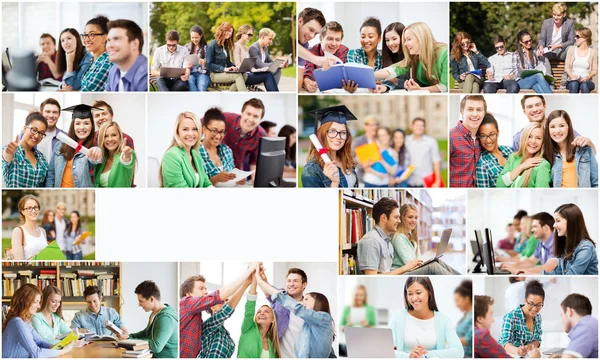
point(112, 327)
point(96, 337)
point(362, 75)
point(368, 153)
point(66, 341)
point(137, 353)
point(132, 344)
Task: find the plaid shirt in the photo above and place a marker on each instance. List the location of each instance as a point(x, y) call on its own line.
point(44, 71)
point(464, 155)
point(190, 322)
point(488, 167)
point(515, 331)
point(226, 156)
point(216, 339)
point(360, 57)
point(97, 75)
point(518, 68)
point(309, 68)
point(486, 346)
point(19, 173)
point(242, 147)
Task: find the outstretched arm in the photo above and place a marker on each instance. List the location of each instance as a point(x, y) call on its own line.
point(229, 289)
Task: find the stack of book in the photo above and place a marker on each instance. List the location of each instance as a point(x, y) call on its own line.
point(11, 281)
point(135, 348)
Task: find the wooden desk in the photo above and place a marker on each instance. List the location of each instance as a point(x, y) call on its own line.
point(95, 349)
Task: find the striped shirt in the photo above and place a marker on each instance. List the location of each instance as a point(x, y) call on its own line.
point(488, 167)
point(20, 173)
point(97, 75)
point(226, 156)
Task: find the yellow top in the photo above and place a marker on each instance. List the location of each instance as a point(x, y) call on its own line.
point(67, 179)
point(569, 174)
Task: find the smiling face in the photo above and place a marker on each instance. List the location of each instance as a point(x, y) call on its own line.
point(195, 38)
point(267, 40)
point(112, 139)
point(463, 303)
point(34, 126)
point(557, 17)
point(398, 139)
point(101, 116)
point(535, 141)
point(337, 142)
point(418, 128)
point(411, 42)
point(74, 219)
point(559, 129)
point(53, 303)
point(82, 127)
point(389, 224)
point(384, 137)
point(214, 132)
point(172, 46)
point(264, 316)
point(500, 48)
point(331, 41)
point(526, 42)
point(308, 31)
point(35, 305)
point(294, 285)
point(47, 45)
point(465, 44)
point(537, 230)
point(51, 113)
point(188, 132)
point(119, 48)
point(392, 41)
point(250, 118)
point(308, 302)
point(146, 304)
point(359, 297)
point(560, 224)
point(580, 39)
point(60, 211)
point(534, 109)
point(418, 297)
point(369, 38)
point(94, 302)
point(51, 216)
point(473, 114)
point(533, 305)
point(68, 42)
point(410, 219)
point(31, 210)
point(490, 132)
point(98, 43)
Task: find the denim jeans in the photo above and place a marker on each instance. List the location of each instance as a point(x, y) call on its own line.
point(74, 256)
point(198, 81)
point(537, 83)
point(171, 84)
point(511, 87)
point(265, 77)
point(585, 87)
point(369, 185)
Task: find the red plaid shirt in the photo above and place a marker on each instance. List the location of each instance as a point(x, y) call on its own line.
point(464, 154)
point(242, 146)
point(486, 346)
point(44, 70)
point(341, 53)
point(190, 322)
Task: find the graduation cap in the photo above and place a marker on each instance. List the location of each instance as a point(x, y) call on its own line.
point(81, 111)
point(338, 114)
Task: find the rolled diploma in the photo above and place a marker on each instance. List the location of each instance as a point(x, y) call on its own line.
point(72, 143)
point(313, 138)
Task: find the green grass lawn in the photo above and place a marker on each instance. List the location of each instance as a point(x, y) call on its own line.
point(289, 71)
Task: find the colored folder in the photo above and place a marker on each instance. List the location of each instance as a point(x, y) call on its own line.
point(50, 252)
point(368, 153)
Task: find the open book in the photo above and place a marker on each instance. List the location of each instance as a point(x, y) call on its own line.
point(96, 337)
point(539, 69)
point(362, 75)
point(66, 340)
point(113, 328)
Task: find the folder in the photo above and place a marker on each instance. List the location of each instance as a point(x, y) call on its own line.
point(50, 252)
point(362, 75)
point(368, 153)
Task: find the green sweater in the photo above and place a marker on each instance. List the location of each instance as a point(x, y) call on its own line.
point(404, 251)
point(121, 176)
point(540, 175)
point(250, 344)
point(440, 72)
point(177, 171)
point(162, 334)
point(530, 246)
point(370, 316)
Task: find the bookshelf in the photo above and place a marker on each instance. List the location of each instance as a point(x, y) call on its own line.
point(355, 219)
point(71, 277)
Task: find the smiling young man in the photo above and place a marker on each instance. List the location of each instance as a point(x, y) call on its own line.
point(46, 61)
point(161, 332)
point(485, 345)
point(170, 55)
point(331, 36)
point(310, 23)
point(93, 318)
point(501, 74)
point(50, 109)
point(124, 46)
point(465, 148)
point(260, 51)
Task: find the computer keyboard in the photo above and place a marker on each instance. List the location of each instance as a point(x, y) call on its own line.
point(498, 271)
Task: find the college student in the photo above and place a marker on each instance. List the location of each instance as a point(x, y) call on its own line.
point(216, 340)
point(485, 345)
point(50, 110)
point(331, 37)
point(289, 133)
point(240, 48)
point(527, 242)
point(370, 126)
point(73, 60)
point(381, 173)
point(93, 318)
point(118, 159)
point(317, 334)
point(334, 135)
point(522, 327)
point(49, 321)
point(48, 225)
point(400, 147)
point(465, 148)
point(170, 55)
point(493, 156)
point(557, 34)
point(508, 243)
point(392, 53)
point(367, 54)
point(463, 296)
point(359, 313)
point(269, 127)
point(516, 222)
point(406, 242)
point(19, 338)
point(104, 114)
point(124, 44)
point(196, 299)
point(181, 164)
point(46, 61)
point(23, 165)
point(161, 332)
point(260, 51)
point(28, 239)
point(94, 39)
point(424, 154)
point(582, 328)
point(572, 166)
point(69, 168)
point(573, 247)
point(216, 156)
point(199, 78)
point(420, 330)
point(259, 338)
point(310, 23)
point(73, 232)
point(60, 224)
point(466, 59)
point(581, 64)
point(426, 60)
point(525, 58)
point(501, 73)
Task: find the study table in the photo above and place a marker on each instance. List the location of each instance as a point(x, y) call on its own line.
point(95, 349)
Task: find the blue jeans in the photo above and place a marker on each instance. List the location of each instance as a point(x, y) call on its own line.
point(575, 86)
point(198, 81)
point(537, 83)
point(368, 185)
point(266, 77)
point(74, 256)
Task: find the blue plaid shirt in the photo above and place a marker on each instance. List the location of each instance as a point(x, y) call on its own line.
point(215, 339)
point(96, 323)
point(515, 331)
point(226, 156)
point(20, 173)
point(359, 56)
point(488, 167)
point(97, 75)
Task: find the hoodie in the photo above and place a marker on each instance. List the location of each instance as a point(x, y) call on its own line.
point(161, 334)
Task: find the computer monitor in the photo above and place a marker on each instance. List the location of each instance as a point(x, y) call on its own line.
point(476, 248)
point(483, 252)
point(488, 237)
point(270, 163)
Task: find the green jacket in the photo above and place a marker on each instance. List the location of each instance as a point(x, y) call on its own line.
point(163, 334)
point(441, 68)
point(177, 171)
point(540, 175)
point(370, 315)
point(250, 344)
point(530, 246)
point(121, 176)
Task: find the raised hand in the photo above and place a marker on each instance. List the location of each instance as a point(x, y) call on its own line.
point(95, 154)
point(126, 151)
point(12, 146)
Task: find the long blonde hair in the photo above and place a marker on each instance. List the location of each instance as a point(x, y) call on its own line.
point(526, 222)
point(272, 333)
point(413, 236)
point(102, 133)
point(429, 47)
point(523, 148)
point(177, 140)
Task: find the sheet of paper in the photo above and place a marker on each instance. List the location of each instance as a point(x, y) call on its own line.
point(239, 175)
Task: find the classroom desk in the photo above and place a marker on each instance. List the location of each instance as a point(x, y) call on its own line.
point(95, 349)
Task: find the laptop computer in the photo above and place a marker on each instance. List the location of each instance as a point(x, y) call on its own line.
point(556, 350)
point(369, 343)
point(441, 249)
point(246, 65)
point(171, 72)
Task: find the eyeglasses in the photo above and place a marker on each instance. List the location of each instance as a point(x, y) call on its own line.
point(577, 37)
point(92, 36)
point(500, 47)
point(216, 132)
point(333, 133)
point(171, 45)
point(466, 43)
point(250, 35)
point(527, 42)
point(492, 137)
point(35, 131)
point(537, 306)
point(32, 209)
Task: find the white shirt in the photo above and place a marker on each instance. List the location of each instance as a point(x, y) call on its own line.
point(60, 226)
point(581, 64)
point(264, 354)
point(163, 57)
point(514, 296)
point(421, 330)
point(45, 146)
point(357, 315)
point(288, 340)
point(556, 36)
point(470, 63)
point(33, 245)
point(121, 86)
point(423, 153)
point(501, 65)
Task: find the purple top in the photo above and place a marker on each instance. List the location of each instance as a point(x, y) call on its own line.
point(136, 78)
point(301, 61)
point(282, 315)
point(545, 250)
point(584, 338)
point(517, 139)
